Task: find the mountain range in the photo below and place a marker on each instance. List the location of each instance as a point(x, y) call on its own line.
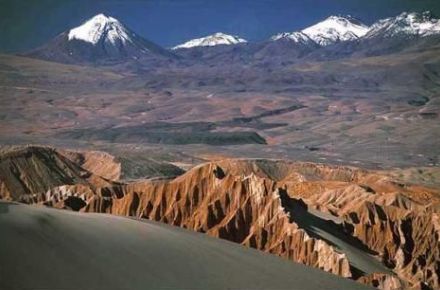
point(104, 38)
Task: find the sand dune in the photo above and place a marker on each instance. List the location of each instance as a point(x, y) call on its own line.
point(44, 248)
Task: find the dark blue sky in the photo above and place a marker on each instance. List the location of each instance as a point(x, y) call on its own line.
point(25, 24)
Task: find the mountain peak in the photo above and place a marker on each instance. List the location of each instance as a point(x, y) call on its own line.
point(100, 39)
point(335, 29)
point(100, 27)
point(406, 23)
point(425, 16)
point(218, 38)
point(344, 18)
point(102, 17)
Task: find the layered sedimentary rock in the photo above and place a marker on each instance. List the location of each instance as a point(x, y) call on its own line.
point(28, 173)
point(100, 163)
point(360, 224)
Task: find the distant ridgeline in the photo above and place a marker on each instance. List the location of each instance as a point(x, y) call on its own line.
point(105, 40)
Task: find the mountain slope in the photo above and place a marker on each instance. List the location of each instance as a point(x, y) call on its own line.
point(26, 173)
point(405, 32)
point(101, 38)
point(405, 24)
point(297, 37)
point(218, 38)
point(332, 30)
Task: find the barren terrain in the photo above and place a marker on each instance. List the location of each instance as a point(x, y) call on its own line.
point(375, 112)
point(322, 156)
point(359, 224)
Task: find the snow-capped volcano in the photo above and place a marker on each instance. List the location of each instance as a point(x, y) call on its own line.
point(101, 28)
point(335, 29)
point(412, 24)
point(331, 30)
point(101, 38)
point(218, 38)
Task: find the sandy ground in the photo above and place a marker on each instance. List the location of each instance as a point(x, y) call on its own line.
point(43, 248)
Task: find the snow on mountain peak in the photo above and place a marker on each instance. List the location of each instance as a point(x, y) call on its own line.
point(218, 38)
point(335, 29)
point(98, 27)
point(417, 24)
point(297, 37)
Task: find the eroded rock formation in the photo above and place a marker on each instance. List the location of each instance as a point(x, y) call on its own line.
point(35, 174)
point(358, 224)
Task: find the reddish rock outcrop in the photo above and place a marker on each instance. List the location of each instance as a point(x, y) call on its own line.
point(35, 174)
point(100, 163)
point(382, 281)
point(246, 210)
point(340, 219)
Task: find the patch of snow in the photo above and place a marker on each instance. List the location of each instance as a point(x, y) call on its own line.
point(331, 30)
point(98, 27)
point(218, 38)
point(335, 29)
point(416, 24)
point(298, 37)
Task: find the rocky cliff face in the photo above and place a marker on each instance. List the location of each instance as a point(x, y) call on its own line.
point(42, 174)
point(289, 209)
point(358, 224)
point(407, 241)
point(243, 209)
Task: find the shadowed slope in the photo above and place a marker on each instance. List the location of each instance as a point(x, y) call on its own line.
point(36, 169)
point(107, 252)
point(28, 172)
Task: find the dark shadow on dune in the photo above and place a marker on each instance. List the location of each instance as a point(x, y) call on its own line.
point(4, 206)
point(299, 214)
point(315, 226)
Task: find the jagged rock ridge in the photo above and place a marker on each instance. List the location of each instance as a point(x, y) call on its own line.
point(355, 223)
